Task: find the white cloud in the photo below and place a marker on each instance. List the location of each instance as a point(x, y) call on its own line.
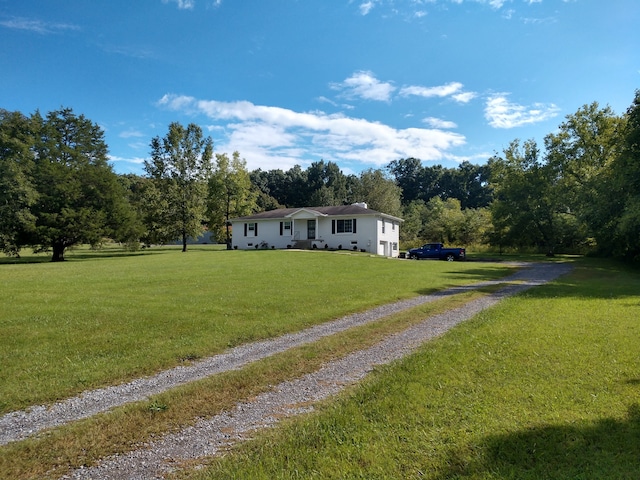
point(274, 137)
point(134, 160)
point(365, 7)
point(37, 26)
point(182, 4)
point(501, 113)
point(497, 3)
point(324, 99)
point(452, 89)
point(439, 123)
point(364, 84)
point(464, 97)
point(131, 134)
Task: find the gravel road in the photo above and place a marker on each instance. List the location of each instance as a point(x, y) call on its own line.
point(211, 435)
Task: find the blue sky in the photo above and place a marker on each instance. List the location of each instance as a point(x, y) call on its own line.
point(356, 82)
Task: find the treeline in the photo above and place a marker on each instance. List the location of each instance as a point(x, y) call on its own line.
point(579, 193)
point(437, 203)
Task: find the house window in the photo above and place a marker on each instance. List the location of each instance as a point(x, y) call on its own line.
point(383, 226)
point(393, 226)
point(344, 226)
point(250, 229)
point(285, 228)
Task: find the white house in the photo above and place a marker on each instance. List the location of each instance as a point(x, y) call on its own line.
point(348, 227)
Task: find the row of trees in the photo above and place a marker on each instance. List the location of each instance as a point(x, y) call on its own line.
point(408, 180)
point(581, 192)
point(437, 203)
point(57, 188)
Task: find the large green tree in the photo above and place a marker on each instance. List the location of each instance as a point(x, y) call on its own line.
point(230, 193)
point(327, 184)
point(468, 183)
point(180, 168)
point(444, 220)
point(627, 177)
point(79, 197)
point(526, 206)
point(135, 187)
point(415, 216)
point(583, 153)
point(17, 192)
point(409, 176)
point(378, 191)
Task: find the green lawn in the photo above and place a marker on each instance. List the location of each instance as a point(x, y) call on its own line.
point(105, 317)
point(544, 386)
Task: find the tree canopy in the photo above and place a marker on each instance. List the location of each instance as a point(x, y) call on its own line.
point(579, 192)
point(17, 191)
point(230, 193)
point(57, 187)
point(179, 168)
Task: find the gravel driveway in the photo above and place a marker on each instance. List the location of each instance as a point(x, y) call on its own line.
point(211, 435)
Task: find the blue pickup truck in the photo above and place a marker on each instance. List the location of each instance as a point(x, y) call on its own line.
point(437, 251)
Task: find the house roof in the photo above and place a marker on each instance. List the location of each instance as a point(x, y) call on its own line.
point(283, 213)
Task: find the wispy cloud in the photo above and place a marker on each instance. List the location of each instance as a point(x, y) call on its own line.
point(452, 89)
point(439, 123)
point(464, 97)
point(131, 160)
point(129, 51)
point(439, 91)
point(365, 7)
point(416, 8)
point(271, 136)
point(131, 134)
point(365, 85)
point(37, 26)
point(501, 113)
point(182, 4)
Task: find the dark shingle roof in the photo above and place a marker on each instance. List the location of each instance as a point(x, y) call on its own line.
point(333, 211)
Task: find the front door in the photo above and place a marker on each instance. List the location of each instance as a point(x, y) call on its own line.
point(311, 229)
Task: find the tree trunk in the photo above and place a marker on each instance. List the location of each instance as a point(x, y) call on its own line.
point(184, 242)
point(58, 252)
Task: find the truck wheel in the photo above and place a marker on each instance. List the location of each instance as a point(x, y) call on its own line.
point(450, 258)
point(413, 257)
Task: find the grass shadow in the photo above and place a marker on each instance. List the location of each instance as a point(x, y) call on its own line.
point(609, 448)
point(600, 279)
point(469, 277)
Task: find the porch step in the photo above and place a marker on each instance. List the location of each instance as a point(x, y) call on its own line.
point(303, 244)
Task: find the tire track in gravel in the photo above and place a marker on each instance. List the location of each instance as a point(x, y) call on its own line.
point(209, 436)
point(18, 425)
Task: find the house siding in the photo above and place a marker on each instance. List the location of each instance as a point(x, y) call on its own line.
point(366, 230)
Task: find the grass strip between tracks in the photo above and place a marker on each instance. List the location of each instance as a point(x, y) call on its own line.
point(56, 452)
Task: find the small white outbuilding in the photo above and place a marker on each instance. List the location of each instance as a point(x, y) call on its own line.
point(347, 227)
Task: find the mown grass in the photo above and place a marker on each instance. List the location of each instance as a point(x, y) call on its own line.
point(106, 317)
point(544, 386)
point(53, 454)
